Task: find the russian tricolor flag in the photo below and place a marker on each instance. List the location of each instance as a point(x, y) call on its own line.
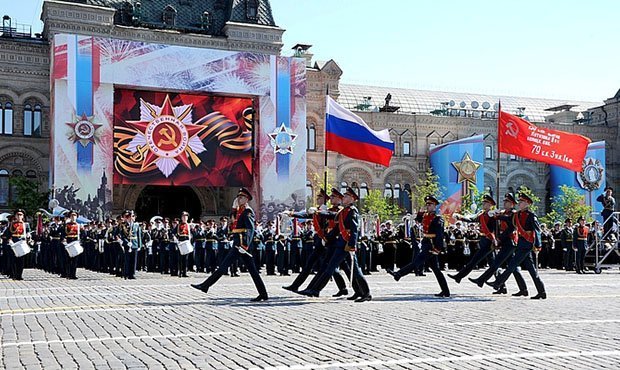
point(348, 134)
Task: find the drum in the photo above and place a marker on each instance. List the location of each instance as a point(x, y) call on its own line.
point(20, 248)
point(185, 247)
point(74, 249)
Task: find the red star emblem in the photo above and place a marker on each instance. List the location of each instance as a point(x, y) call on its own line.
point(83, 129)
point(166, 137)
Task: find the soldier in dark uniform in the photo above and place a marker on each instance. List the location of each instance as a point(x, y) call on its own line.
point(199, 237)
point(528, 230)
point(458, 259)
point(609, 206)
point(270, 248)
point(71, 233)
point(55, 234)
point(242, 232)
point(322, 225)
point(580, 244)
point(345, 234)
point(222, 240)
point(257, 247)
point(472, 238)
point(295, 249)
point(389, 241)
point(211, 245)
point(432, 245)
point(557, 259)
point(130, 234)
point(4, 245)
point(567, 245)
point(282, 251)
point(507, 242)
point(546, 248)
point(307, 238)
point(487, 242)
point(18, 230)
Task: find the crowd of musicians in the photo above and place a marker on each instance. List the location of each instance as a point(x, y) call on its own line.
point(325, 244)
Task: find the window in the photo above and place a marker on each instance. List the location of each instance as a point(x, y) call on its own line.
point(343, 187)
point(406, 148)
point(513, 157)
point(488, 152)
point(4, 188)
point(169, 16)
point(31, 174)
point(363, 190)
point(387, 193)
point(311, 138)
point(7, 118)
point(251, 9)
point(28, 120)
point(36, 121)
point(397, 191)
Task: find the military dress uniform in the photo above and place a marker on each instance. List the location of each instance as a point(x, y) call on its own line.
point(243, 229)
point(507, 240)
point(71, 232)
point(567, 245)
point(580, 244)
point(199, 237)
point(528, 230)
point(432, 245)
point(390, 242)
point(131, 240)
point(282, 255)
point(182, 232)
point(15, 232)
point(270, 251)
point(609, 206)
point(486, 242)
point(55, 235)
point(211, 245)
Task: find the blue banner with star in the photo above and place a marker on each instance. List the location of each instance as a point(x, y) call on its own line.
point(590, 182)
point(283, 115)
point(458, 164)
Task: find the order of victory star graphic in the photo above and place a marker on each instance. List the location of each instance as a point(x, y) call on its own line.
point(166, 137)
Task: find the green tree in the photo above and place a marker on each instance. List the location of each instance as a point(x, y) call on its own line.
point(317, 181)
point(473, 198)
point(27, 195)
point(428, 186)
point(568, 204)
point(376, 203)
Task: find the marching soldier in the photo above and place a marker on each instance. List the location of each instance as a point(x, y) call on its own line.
point(17, 231)
point(432, 245)
point(345, 234)
point(487, 242)
point(242, 232)
point(580, 244)
point(507, 242)
point(528, 230)
point(131, 240)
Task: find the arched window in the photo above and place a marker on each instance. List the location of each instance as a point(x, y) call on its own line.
point(388, 193)
point(343, 187)
point(27, 120)
point(363, 190)
point(4, 188)
point(406, 149)
point(251, 9)
point(169, 16)
point(488, 152)
point(30, 174)
point(7, 118)
point(311, 138)
point(37, 121)
point(397, 192)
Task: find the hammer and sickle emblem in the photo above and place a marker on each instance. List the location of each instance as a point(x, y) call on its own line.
point(512, 129)
point(138, 156)
point(170, 139)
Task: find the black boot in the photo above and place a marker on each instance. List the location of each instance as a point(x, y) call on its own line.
point(456, 278)
point(341, 293)
point(521, 293)
point(542, 295)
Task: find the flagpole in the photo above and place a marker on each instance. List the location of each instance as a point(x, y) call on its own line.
point(497, 177)
point(325, 143)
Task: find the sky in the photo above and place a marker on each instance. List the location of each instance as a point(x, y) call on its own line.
point(548, 49)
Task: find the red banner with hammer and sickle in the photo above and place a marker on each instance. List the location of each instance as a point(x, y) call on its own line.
point(519, 137)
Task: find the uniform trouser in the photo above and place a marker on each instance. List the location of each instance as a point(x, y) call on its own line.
point(389, 256)
point(432, 260)
point(322, 259)
point(569, 258)
point(339, 259)
point(256, 256)
point(71, 265)
point(362, 257)
point(183, 262)
point(504, 255)
point(18, 266)
point(211, 259)
point(311, 260)
point(174, 259)
point(270, 261)
point(295, 259)
point(522, 257)
point(232, 256)
point(306, 251)
point(581, 257)
point(130, 260)
point(283, 259)
point(199, 258)
point(7, 264)
point(164, 260)
point(483, 252)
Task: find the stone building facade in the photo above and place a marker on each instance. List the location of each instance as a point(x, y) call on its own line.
point(424, 118)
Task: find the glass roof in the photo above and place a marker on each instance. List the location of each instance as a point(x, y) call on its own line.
point(355, 97)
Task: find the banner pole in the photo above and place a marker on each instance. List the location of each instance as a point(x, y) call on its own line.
point(325, 142)
point(497, 154)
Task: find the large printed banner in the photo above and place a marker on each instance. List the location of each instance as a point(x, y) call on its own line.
point(519, 137)
point(590, 180)
point(182, 139)
point(458, 165)
point(104, 90)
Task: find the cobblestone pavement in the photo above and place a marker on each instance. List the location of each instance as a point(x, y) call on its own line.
point(154, 322)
